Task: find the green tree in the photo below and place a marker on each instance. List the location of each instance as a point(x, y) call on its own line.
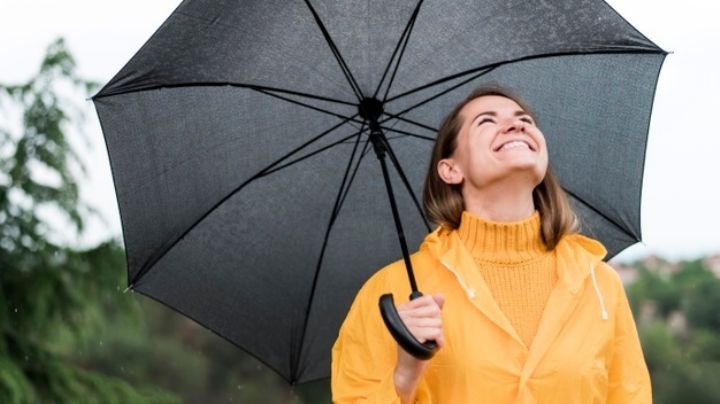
point(53, 298)
point(681, 339)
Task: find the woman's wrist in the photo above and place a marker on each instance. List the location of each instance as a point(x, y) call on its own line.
point(406, 380)
point(405, 386)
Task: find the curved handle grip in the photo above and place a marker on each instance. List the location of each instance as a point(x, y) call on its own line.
point(400, 332)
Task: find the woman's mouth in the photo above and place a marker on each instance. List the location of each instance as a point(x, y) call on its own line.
point(514, 144)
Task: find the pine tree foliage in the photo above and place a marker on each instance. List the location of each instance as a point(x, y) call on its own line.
point(53, 298)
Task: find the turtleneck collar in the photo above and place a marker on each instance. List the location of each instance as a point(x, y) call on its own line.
point(502, 242)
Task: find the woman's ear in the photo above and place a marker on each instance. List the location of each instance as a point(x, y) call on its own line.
point(449, 172)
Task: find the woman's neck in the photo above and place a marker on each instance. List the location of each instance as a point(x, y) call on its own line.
point(500, 203)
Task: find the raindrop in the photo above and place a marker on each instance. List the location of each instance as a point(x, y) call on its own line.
point(26, 358)
point(101, 342)
point(16, 310)
point(240, 386)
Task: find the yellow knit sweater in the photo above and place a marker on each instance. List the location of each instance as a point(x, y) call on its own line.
point(516, 266)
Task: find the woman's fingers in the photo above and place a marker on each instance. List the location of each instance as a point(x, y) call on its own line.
point(424, 334)
point(423, 317)
point(420, 301)
point(422, 311)
point(428, 322)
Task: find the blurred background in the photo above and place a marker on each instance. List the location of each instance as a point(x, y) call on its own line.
point(71, 333)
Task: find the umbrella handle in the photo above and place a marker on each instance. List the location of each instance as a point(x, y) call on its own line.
point(400, 332)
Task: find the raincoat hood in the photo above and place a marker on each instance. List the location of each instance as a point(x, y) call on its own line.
point(586, 349)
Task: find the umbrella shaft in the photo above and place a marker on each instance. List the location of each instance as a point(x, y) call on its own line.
point(378, 140)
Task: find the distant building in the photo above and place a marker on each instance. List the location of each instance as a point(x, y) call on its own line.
point(713, 263)
point(628, 274)
point(677, 323)
point(660, 266)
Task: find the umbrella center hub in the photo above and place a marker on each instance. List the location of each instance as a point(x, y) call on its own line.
point(370, 109)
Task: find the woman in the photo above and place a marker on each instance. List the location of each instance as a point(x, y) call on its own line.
point(522, 307)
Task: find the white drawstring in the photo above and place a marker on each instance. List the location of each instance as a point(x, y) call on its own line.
point(603, 312)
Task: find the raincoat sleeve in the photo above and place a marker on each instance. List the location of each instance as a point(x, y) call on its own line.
point(364, 356)
point(628, 377)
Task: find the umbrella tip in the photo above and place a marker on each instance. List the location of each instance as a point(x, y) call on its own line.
point(128, 288)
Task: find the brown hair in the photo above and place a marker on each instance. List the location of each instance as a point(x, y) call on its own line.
point(443, 203)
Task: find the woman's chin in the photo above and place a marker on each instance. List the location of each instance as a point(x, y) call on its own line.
point(532, 168)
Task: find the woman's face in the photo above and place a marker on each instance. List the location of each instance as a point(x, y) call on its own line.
point(498, 141)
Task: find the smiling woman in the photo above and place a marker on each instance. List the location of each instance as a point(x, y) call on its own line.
point(499, 143)
point(522, 307)
point(500, 120)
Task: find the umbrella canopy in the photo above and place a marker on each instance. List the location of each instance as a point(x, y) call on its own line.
point(240, 155)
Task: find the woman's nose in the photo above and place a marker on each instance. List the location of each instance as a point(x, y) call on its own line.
point(514, 125)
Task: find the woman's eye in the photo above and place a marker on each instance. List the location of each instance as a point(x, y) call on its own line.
point(527, 120)
point(485, 120)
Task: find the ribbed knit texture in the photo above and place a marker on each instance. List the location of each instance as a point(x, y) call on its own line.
point(513, 261)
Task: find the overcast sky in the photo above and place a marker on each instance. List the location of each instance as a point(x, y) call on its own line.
point(681, 195)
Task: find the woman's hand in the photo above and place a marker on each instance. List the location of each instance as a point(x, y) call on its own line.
point(423, 318)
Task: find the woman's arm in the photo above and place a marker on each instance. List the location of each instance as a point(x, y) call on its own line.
point(423, 318)
point(367, 364)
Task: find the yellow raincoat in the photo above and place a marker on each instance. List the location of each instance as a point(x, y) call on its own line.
point(586, 349)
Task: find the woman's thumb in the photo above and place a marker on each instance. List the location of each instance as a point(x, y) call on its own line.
point(439, 299)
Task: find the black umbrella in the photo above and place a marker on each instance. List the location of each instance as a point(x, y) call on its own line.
point(239, 134)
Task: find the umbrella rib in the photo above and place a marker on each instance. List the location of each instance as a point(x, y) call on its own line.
point(388, 138)
point(366, 150)
point(603, 215)
point(405, 181)
point(397, 46)
point(160, 254)
point(314, 108)
point(402, 132)
point(495, 65)
point(302, 146)
point(336, 210)
point(483, 69)
point(240, 85)
point(355, 170)
point(402, 51)
point(299, 159)
point(333, 217)
point(447, 90)
point(306, 95)
point(336, 52)
point(410, 121)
